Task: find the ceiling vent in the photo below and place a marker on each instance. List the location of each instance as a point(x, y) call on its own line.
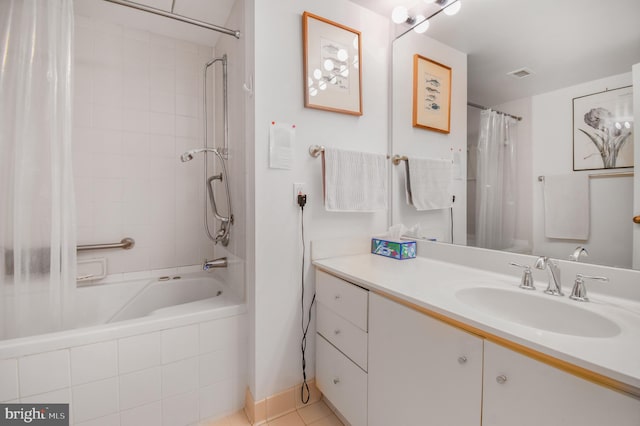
point(520, 73)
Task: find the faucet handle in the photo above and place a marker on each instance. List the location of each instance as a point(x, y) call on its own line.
point(527, 280)
point(579, 291)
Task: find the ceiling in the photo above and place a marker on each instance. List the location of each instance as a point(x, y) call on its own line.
point(564, 42)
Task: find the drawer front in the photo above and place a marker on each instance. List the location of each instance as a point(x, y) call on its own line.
point(345, 336)
point(347, 300)
point(342, 382)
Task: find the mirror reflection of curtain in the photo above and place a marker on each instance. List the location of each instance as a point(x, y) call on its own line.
point(37, 207)
point(496, 181)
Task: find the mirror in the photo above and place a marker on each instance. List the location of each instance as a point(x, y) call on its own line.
point(571, 49)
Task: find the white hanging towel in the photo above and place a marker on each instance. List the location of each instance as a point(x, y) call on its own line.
point(354, 181)
point(428, 183)
point(566, 207)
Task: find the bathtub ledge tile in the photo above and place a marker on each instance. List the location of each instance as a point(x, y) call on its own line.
point(9, 379)
point(43, 372)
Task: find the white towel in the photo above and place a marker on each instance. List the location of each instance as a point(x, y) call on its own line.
point(354, 181)
point(428, 183)
point(566, 206)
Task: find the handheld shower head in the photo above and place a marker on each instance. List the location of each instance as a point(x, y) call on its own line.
point(188, 155)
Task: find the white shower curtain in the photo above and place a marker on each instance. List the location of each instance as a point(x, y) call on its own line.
point(37, 209)
point(496, 181)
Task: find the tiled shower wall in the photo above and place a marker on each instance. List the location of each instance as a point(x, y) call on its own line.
point(137, 106)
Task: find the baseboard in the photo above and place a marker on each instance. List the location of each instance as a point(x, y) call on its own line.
point(277, 405)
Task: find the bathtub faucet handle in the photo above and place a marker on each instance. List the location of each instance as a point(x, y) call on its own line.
point(220, 262)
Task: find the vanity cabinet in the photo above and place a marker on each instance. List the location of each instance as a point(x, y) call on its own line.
point(381, 363)
point(421, 370)
point(341, 345)
point(519, 390)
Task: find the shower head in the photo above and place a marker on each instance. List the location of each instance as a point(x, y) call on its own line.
point(188, 155)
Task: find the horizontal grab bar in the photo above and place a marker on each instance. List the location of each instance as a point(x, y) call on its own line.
point(126, 243)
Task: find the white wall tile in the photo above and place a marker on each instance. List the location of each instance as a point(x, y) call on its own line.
point(161, 124)
point(43, 372)
point(135, 120)
point(8, 379)
point(180, 410)
point(150, 414)
point(139, 352)
point(135, 143)
point(188, 127)
point(179, 377)
point(60, 396)
point(111, 420)
point(94, 362)
point(220, 334)
point(216, 400)
point(188, 105)
point(95, 399)
point(218, 366)
point(179, 343)
point(106, 117)
point(162, 101)
point(140, 388)
point(106, 141)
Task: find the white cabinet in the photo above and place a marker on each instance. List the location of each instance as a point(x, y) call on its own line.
point(519, 390)
point(381, 363)
point(421, 370)
point(341, 346)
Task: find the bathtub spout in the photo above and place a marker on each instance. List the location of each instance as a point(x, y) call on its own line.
point(220, 262)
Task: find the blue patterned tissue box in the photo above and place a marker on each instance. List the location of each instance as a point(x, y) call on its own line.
point(395, 249)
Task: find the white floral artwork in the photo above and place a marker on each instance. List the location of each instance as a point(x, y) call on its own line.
point(603, 130)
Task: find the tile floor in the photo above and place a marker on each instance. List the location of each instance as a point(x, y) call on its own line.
point(318, 414)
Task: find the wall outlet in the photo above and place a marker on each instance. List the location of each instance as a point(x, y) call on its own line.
point(298, 188)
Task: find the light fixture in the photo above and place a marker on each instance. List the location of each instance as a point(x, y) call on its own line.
point(452, 8)
point(423, 24)
point(400, 14)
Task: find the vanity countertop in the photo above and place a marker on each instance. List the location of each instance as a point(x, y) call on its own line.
point(432, 285)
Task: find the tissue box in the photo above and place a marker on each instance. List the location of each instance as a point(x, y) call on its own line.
point(396, 249)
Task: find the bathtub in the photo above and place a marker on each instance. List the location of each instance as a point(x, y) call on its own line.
point(148, 351)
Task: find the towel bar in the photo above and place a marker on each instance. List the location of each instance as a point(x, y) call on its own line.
point(316, 150)
point(600, 175)
point(396, 159)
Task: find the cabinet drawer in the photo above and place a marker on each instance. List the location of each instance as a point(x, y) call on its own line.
point(343, 335)
point(347, 300)
point(342, 382)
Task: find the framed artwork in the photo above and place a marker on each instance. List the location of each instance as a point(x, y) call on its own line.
point(332, 66)
point(603, 130)
point(431, 95)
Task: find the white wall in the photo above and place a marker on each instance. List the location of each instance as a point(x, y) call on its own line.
point(411, 141)
point(274, 286)
point(610, 238)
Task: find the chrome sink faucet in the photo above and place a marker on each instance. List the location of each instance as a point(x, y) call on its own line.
point(579, 251)
point(555, 285)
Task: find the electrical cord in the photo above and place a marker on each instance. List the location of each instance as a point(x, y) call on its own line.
point(302, 200)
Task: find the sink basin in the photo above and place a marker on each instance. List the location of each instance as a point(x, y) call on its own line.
point(544, 313)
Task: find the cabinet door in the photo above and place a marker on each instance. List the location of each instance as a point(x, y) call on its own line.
point(535, 394)
point(421, 371)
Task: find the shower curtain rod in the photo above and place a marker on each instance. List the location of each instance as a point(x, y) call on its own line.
point(176, 17)
point(471, 104)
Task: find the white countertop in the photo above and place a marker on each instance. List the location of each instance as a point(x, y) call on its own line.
point(431, 284)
